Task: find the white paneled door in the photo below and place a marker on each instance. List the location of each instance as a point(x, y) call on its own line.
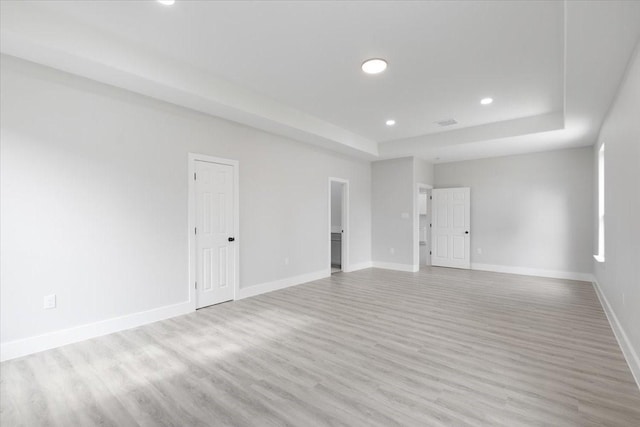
point(451, 209)
point(215, 255)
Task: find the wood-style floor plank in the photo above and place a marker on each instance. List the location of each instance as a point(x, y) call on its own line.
point(441, 347)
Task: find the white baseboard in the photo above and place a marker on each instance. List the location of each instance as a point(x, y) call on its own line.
point(628, 351)
point(525, 271)
point(359, 266)
point(23, 347)
point(411, 268)
point(282, 283)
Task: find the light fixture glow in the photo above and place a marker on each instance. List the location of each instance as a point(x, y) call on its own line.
point(374, 66)
point(486, 101)
point(390, 122)
point(167, 2)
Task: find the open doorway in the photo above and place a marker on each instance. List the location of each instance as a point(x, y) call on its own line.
point(338, 224)
point(424, 224)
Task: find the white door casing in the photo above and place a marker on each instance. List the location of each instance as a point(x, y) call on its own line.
point(451, 232)
point(214, 232)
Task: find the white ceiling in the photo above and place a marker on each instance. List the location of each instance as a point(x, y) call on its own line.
point(293, 68)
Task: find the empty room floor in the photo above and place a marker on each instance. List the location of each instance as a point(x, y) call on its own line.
point(441, 347)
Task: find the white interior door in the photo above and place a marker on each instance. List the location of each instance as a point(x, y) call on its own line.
point(451, 209)
point(215, 255)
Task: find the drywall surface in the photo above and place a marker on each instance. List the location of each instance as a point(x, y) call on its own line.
point(619, 276)
point(94, 200)
point(392, 207)
point(530, 211)
point(424, 171)
point(336, 206)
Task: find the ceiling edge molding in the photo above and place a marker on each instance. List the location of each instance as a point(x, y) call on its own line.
point(491, 131)
point(99, 59)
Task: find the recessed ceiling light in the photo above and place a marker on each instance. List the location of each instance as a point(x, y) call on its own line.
point(390, 122)
point(486, 101)
point(167, 2)
point(374, 66)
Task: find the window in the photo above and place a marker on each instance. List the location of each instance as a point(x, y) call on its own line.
point(600, 256)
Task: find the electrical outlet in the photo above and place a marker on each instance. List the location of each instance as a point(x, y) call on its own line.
point(404, 215)
point(49, 302)
point(392, 251)
point(479, 250)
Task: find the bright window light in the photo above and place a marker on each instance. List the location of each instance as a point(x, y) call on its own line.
point(166, 2)
point(600, 256)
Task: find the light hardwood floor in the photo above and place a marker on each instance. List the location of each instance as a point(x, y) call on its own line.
point(441, 347)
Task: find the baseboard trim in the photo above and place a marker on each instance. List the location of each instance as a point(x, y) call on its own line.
point(23, 347)
point(630, 355)
point(525, 271)
point(275, 285)
point(359, 266)
point(411, 268)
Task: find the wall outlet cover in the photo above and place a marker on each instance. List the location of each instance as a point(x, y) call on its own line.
point(49, 302)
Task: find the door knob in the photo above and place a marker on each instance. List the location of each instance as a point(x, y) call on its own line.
point(466, 232)
point(231, 239)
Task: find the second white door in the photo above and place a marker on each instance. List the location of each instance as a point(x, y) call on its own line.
point(215, 255)
point(450, 233)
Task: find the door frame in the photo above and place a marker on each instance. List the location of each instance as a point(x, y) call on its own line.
point(416, 222)
point(345, 225)
point(191, 222)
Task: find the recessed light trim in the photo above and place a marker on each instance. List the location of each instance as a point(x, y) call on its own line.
point(166, 2)
point(486, 101)
point(374, 66)
point(390, 122)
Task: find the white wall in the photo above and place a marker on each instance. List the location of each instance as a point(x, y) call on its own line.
point(619, 276)
point(336, 206)
point(392, 207)
point(423, 171)
point(94, 200)
point(531, 211)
